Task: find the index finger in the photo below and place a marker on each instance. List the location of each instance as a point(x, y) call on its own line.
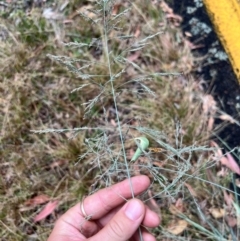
point(101, 202)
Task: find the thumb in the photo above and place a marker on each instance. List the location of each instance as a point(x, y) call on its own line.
point(124, 224)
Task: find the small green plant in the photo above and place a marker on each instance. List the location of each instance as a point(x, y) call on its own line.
point(31, 31)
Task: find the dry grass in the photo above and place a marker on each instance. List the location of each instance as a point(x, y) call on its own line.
point(36, 94)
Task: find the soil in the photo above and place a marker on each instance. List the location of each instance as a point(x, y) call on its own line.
point(217, 70)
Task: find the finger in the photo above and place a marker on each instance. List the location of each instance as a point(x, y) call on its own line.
point(146, 236)
point(102, 202)
point(64, 231)
point(124, 224)
point(151, 219)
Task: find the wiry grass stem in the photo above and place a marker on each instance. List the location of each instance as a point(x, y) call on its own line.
point(114, 96)
point(115, 105)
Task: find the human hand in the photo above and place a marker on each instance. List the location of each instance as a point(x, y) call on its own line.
point(111, 219)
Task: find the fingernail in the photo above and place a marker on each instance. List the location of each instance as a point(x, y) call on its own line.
point(133, 210)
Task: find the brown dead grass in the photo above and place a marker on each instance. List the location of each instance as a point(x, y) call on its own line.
point(35, 94)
